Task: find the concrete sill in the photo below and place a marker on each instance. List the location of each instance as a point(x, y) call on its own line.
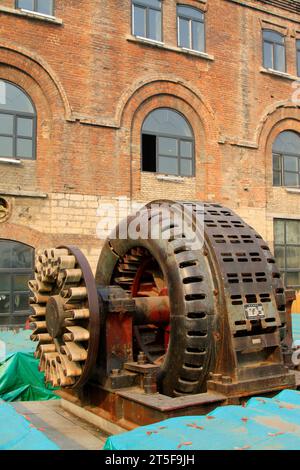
point(11, 161)
point(171, 179)
point(161, 45)
point(20, 193)
point(31, 15)
point(275, 73)
point(293, 190)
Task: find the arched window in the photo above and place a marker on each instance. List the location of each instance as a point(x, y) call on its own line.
point(167, 143)
point(16, 268)
point(191, 31)
point(17, 122)
point(274, 50)
point(286, 159)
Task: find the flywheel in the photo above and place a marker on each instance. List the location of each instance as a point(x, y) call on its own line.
point(65, 316)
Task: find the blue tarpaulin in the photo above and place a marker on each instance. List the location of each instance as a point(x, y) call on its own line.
point(16, 433)
point(264, 423)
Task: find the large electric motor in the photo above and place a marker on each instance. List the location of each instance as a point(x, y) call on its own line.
point(186, 296)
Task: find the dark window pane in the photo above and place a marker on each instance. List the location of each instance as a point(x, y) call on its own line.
point(293, 279)
point(184, 33)
point(21, 282)
point(168, 165)
point(6, 124)
point(287, 142)
point(291, 163)
point(280, 58)
point(293, 232)
point(45, 6)
point(139, 21)
point(277, 178)
point(21, 302)
point(167, 121)
point(6, 147)
point(186, 148)
point(279, 231)
point(277, 162)
point(293, 257)
point(26, 4)
point(4, 303)
point(155, 25)
point(190, 13)
point(24, 148)
point(186, 167)
point(24, 127)
point(279, 255)
point(198, 36)
point(151, 3)
point(167, 146)
point(22, 256)
point(14, 99)
point(148, 153)
point(273, 37)
point(268, 56)
point(291, 179)
point(5, 282)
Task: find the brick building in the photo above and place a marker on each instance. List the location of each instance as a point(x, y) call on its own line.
point(195, 99)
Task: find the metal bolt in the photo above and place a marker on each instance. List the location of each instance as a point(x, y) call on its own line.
point(141, 358)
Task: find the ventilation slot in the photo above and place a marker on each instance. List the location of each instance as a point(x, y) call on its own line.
point(196, 315)
point(240, 322)
point(192, 279)
point(190, 297)
point(192, 366)
point(196, 350)
point(181, 249)
point(186, 264)
point(269, 320)
point(251, 299)
point(247, 277)
point(197, 333)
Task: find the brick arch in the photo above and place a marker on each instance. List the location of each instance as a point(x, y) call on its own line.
point(22, 234)
point(148, 87)
point(284, 117)
point(164, 93)
point(37, 68)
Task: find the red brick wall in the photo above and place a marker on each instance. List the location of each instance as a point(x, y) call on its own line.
point(93, 85)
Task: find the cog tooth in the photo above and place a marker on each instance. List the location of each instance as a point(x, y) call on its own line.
point(75, 352)
point(67, 262)
point(70, 369)
point(43, 338)
point(67, 337)
point(56, 252)
point(78, 333)
point(74, 293)
point(40, 327)
point(80, 314)
point(38, 310)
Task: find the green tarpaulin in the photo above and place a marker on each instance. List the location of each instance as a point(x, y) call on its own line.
point(20, 379)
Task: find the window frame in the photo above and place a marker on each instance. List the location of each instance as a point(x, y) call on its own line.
point(21, 114)
point(35, 10)
point(179, 139)
point(286, 270)
point(190, 20)
point(139, 4)
point(281, 171)
point(274, 44)
point(12, 273)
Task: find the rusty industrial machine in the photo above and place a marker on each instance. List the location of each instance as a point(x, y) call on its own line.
point(171, 324)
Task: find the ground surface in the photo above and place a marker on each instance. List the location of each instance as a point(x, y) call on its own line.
point(61, 427)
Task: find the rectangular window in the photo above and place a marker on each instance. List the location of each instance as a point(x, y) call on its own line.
point(287, 250)
point(274, 51)
point(146, 19)
point(45, 7)
point(191, 28)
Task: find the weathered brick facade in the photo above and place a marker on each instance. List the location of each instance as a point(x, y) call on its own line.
point(93, 84)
